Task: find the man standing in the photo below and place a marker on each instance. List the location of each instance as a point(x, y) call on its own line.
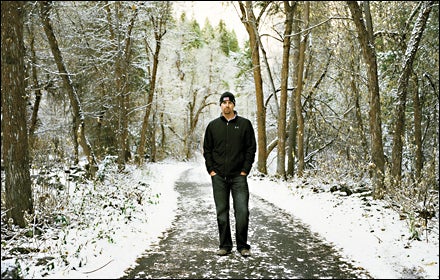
point(229, 150)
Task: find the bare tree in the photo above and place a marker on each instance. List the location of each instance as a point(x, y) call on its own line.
point(123, 45)
point(196, 107)
point(298, 92)
point(366, 39)
point(78, 116)
point(354, 66)
point(293, 124)
point(402, 89)
point(36, 85)
point(251, 24)
point(159, 16)
point(18, 192)
point(281, 158)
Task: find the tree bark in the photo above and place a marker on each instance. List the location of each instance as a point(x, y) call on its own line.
point(123, 59)
point(36, 86)
point(18, 192)
point(250, 23)
point(293, 123)
point(78, 116)
point(402, 89)
point(159, 22)
point(369, 54)
point(354, 67)
point(298, 93)
point(281, 157)
point(418, 134)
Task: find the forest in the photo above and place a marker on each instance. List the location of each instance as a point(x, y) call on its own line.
point(343, 90)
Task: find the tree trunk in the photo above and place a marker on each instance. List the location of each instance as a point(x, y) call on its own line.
point(18, 192)
point(281, 157)
point(159, 22)
point(36, 86)
point(298, 92)
point(367, 45)
point(250, 22)
point(145, 122)
point(123, 91)
point(418, 134)
point(402, 89)
point(354, 67)
point(78, 116)
point(293, 123)
point(266, 63)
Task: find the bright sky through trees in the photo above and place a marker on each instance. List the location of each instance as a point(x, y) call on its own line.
point(214, 11)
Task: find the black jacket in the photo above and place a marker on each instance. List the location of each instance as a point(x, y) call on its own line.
point(229, 147)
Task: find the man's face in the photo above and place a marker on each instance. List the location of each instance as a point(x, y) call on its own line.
point(227, 107)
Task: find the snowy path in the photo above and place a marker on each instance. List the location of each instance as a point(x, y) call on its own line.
point(281, 246)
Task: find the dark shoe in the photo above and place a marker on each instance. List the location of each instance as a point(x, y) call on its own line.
point(223, 252)
point(245, 253)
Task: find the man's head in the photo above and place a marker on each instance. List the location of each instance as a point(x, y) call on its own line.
point(227, 96)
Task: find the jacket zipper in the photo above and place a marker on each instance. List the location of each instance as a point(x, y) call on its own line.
point(226, 150)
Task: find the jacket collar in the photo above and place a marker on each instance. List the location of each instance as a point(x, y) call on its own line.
point(233, 119)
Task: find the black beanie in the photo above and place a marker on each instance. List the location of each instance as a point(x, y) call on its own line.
point(227, 96)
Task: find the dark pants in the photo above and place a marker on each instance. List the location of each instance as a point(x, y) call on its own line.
point(222, 189)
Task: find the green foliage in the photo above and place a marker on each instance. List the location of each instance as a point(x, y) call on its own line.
point(228, 40)
point(244, 62)
point(62, 219)
point(196, 40)
point(414, 233)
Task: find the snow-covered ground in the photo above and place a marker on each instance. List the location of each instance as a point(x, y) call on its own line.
point(108, 240)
